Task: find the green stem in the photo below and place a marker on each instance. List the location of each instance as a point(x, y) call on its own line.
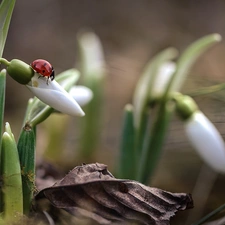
point(40, 117)
point(140, 133)
point(4, 61)
point(153, 142)
point(127, 166)
point(2, 106)
point(2, 99)
point(213, 213)
point(187, 60)
point(207, 90)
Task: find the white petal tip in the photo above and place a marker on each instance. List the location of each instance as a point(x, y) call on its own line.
point(217, 37)
point(81, 94)
point(82, 114)
point(56, 97)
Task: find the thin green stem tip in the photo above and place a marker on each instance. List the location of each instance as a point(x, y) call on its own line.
point(4, 61)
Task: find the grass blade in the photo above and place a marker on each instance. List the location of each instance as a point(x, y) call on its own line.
point(2, 106)
point(189, 57)
point(127, 166)
point(2, 99)
point(26, 149)
point(154, 142)
point(12, 184)
point(6, 9)
point(210, 215)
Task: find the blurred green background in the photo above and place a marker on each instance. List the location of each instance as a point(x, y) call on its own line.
point(131, 33)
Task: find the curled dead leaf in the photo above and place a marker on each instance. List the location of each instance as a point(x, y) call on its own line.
point(91, 191)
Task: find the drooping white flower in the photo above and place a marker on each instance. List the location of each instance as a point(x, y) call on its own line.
point(207, 141)
point(163, 77)
point(81, 94)
point(92, 54)
point(150, 87)
point(54, 95)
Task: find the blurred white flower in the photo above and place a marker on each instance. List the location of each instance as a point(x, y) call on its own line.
point(81, 94)
point(151, 86)
point(92, 53)
point(54, 95)
point(207, 141)
point(162, 79)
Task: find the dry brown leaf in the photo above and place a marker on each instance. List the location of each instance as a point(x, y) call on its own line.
point(91, 191)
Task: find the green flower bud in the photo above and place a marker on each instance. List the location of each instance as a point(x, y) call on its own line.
point(185, 106)
point(20, 71)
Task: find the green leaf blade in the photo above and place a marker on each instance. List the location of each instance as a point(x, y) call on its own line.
point(127, 166)
point(2, 99)
point(154, 142)
point(26, 149)
point(189, 57)
point(11, 173)
point(6, 9)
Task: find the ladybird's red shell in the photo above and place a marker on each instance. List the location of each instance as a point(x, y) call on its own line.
point(42, 67)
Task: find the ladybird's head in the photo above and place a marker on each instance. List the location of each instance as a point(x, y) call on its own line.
point(52, 76)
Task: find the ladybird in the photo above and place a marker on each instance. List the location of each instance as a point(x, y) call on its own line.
point(44, 68)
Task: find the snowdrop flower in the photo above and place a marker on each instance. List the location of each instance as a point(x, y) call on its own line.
point(150, 87)
point(207, 141)
point(50, 92)
point(202, 134)
point(162, 79)
point(92, 54)
point(54, 95)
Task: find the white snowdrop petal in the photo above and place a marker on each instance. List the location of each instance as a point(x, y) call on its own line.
point(41, 82)
point(81, 94)
point(206, 139)
point(58, 100)
point(149, 87)
point(52, 94)
point(164, 75)
point(91, 44)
